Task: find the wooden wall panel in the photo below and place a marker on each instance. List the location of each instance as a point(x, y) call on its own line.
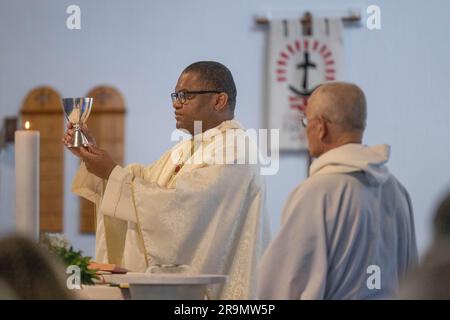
point(107, 124)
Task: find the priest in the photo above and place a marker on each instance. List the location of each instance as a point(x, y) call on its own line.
point(198, 206)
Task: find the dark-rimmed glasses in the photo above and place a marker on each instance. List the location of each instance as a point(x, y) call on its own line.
point(182, 96)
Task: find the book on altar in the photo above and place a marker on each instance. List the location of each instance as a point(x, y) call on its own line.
point(108, 267)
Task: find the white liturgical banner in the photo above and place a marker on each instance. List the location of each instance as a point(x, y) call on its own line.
point(298, 63)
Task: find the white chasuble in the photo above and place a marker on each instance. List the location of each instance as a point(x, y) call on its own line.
point(206, 215)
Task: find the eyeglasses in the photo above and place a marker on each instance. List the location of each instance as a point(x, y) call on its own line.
point(304, 120)
point(182, 96)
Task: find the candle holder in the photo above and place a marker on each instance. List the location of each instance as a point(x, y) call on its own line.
point(77, 111)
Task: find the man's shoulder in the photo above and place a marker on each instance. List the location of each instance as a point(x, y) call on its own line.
point(354, 182)
point(330, 181)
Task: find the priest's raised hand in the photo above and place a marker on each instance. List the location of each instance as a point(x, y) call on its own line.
point(67, 140)
point(97, 161)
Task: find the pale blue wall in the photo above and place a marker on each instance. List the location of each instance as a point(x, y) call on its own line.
point(141, 46)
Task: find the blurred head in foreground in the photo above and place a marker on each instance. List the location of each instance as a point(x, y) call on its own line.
point(29, 272)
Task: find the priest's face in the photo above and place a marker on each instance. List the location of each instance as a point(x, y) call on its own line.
point(194, 107)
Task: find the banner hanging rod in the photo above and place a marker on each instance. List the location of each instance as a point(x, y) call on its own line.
point(353, 17)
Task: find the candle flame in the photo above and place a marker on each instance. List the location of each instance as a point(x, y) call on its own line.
point(27, 125)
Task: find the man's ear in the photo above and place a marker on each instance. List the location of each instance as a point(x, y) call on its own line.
point(323, 130)
point(221, 102)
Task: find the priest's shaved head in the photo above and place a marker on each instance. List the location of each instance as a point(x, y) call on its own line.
point(204, 92)
point(336, 115)
point(215, 75)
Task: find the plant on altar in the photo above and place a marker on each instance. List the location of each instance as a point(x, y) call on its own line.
point(59, 246)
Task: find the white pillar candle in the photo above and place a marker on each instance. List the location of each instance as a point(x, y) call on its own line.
point(27, 182)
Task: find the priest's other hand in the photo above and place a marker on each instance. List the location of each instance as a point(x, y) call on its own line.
point(97, 161)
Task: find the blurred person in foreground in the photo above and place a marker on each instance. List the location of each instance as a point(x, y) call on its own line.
point(431, 279)
point(28, 272)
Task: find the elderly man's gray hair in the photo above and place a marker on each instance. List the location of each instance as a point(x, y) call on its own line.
point(343, 103)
